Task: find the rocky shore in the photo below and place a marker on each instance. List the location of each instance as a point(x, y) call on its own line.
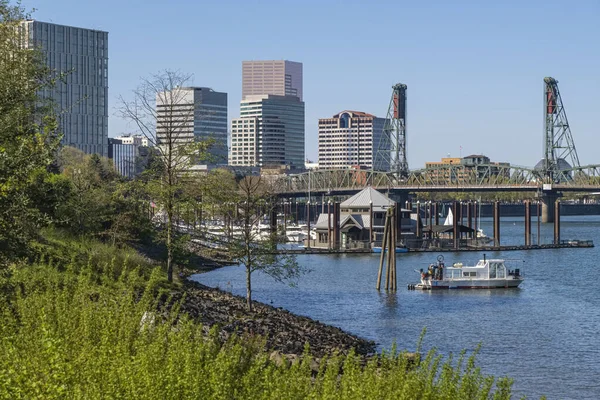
point(285, 333)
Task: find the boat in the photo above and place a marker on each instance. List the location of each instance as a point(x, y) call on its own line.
point(295, 234)
point(398, 250)
point(486, 274)
point(480, 236)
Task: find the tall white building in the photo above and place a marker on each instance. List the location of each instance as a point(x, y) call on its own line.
point(189, 114)
point(82, 97)
point(269, 132)
point(350, 139)
point(278, 77)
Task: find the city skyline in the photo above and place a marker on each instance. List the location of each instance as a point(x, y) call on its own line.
point(474, 72)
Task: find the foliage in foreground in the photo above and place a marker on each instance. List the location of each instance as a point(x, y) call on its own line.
point(92, 330)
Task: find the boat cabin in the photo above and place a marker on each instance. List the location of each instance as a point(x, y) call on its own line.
point(484, 269)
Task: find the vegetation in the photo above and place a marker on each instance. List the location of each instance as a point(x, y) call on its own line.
point(28, 135)
point(82, 315)
point(78, 324)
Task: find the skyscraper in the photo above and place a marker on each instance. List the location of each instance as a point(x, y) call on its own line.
point(194, 113)
point(270, 130)
point(82, 96)
point(279, 77)
point(351, 139)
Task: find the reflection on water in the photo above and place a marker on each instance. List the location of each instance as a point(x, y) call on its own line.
point(543, 334)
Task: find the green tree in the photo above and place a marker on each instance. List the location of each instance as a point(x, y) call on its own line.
point(28, 132)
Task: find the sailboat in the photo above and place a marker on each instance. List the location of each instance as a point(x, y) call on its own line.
point(449, 218)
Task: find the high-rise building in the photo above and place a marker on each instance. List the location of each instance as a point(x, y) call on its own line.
point(269, 132)
point(82, 96)
point(193, 113)
point(351, 139)
point(278, 77)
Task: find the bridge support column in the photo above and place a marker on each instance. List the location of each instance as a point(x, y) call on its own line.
point(527, 223)
point(548, 205)
point(557, 222)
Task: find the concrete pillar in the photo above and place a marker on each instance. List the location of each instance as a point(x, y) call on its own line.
point(548, 203)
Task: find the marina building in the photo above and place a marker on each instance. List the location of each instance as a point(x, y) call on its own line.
point(361, 222)
point(189, 114)
point(350, 139)
point(81, 97)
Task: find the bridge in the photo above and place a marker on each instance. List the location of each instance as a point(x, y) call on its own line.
point(551, 177)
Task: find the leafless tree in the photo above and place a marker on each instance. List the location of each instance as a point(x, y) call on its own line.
point(254, 200)
point(164, 114)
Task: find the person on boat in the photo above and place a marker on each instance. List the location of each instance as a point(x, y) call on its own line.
point(424, 277)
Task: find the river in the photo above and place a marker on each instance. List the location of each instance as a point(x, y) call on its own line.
point(543, 334)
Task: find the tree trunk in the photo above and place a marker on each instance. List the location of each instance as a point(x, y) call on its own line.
point(248, 288)
point(169, 241)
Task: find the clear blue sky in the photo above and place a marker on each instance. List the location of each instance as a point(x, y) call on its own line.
point(474, 69)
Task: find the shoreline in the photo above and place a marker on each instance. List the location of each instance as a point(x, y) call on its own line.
point(284, 332)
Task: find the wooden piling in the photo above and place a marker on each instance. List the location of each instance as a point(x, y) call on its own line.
point(496, 223)
point(455, 230)
point(393, 247)
point(308, 224)
point(382, 255)
point(527, 206)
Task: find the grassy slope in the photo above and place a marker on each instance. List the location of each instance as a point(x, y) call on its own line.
point(84, 321)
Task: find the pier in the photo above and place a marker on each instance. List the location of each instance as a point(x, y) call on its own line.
point(562, 245)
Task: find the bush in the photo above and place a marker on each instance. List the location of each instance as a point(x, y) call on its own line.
point(96, 329)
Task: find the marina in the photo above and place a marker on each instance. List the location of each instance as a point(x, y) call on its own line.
point(529, 333)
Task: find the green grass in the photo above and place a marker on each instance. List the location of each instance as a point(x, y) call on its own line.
point(85, 321)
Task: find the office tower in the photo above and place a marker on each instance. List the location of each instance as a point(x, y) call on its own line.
point(269, 132)
point(125, 151)
point(194, 113)
point(82, 97)
point(350, 139)
point(278, 77)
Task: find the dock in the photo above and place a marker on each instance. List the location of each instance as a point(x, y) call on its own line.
point(562, 245)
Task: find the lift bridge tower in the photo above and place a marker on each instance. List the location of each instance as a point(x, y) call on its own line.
point(559, 149)
point(392, 146)
point(560, 155)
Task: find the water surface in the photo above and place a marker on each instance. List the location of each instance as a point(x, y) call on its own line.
point(544, 334)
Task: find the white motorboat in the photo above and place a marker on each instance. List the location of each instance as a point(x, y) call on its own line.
point(486, 274)
point(295, 234)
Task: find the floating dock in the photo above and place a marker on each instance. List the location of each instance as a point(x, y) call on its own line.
point(563, 245)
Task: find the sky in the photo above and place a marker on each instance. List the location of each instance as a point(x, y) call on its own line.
point(474, 69)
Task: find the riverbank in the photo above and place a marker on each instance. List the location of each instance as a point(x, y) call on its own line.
point(283, 331)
